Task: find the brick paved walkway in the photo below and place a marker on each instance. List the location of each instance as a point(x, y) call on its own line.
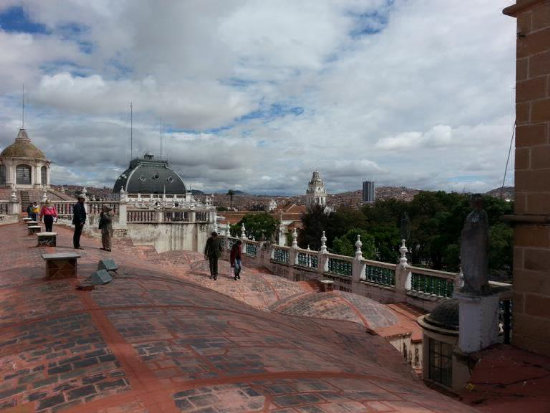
point(152, 341)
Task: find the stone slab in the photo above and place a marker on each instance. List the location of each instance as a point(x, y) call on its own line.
point(101, 277)
point(107, 264)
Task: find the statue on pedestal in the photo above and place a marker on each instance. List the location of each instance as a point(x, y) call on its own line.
point(474, 249)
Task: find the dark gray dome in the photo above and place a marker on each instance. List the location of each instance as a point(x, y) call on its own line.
point(149, 176)
point(445, 315)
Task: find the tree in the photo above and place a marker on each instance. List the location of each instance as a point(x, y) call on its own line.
point(314, 222)
point(260, 226)
point(345, 245)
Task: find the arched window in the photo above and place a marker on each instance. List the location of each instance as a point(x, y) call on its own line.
point(23, 175)
point(44, 175)
point(2, 175)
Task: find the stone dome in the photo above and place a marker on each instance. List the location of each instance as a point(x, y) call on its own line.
point(23, 148)
point(149, 176)
point(445, 315)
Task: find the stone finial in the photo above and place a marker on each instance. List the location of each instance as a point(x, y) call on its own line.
point(294, 238)
point(243, 234)
point(44, 196)
point(358, 245)
point(13, 196)
point(459, 280)
point(84, 191)
point(62, 189)
point(309, 249)
point(403, 251)
point(324, 244)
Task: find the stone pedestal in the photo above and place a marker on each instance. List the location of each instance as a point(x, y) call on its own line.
point(478, 321)
point(33, 229)
point(61, 265)
point(47, 239)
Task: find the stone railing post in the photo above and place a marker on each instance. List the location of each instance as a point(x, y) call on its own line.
point(322, 265)
point(402, 273)
point(14, 207)
point(293, 253)
point(358, 265)
point(123, 209)
point(159, 216)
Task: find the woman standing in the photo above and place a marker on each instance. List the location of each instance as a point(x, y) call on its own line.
point(106, 227)
point(47, 214)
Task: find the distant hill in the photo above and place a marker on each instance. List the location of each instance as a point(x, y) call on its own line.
point(506, 192)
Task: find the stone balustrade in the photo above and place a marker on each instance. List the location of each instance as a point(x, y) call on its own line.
point(382, 281)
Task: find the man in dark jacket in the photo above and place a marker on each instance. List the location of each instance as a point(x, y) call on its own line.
point(79, 218)
point(213, 251)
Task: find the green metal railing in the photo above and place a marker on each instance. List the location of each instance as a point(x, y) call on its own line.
point(340, 267)
point(281, 255)
point(307, 260)
point(380, 275)
point(251, 249)
point(441, 287)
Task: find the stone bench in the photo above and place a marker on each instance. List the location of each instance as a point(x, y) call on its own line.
point(61, 265)
point(31, 222)
point(47, 239)
point(25, 220)
point(33, 229)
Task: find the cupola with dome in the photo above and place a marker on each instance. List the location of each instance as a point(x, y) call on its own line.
point(149, 176)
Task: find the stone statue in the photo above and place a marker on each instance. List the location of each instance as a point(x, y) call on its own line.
point(474, 247)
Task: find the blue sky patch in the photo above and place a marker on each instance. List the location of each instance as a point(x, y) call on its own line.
point(276, 110)
point(15, 19)
point(370, 22)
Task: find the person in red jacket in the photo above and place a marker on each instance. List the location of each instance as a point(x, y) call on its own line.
point(235, 259)
point(47, 214)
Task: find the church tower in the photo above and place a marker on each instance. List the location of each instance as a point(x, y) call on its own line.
point(316, 193)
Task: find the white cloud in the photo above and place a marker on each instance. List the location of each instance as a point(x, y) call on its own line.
point(259, 94)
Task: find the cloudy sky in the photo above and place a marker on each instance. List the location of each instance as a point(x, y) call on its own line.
point(256, 94)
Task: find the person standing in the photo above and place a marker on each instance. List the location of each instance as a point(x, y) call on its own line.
point(79, 218)
point(106, 227)
point(235, 259)
point(213, 251)
point(35, 210)
point(29, 211)
point(47, 214)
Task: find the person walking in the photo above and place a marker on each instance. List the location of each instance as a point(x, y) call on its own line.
point(235, 259)
point(106, 227)
point(79, 218)
point(213, 251)
point(47, 214)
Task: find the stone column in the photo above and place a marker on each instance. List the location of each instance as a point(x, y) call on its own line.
point(478, 321)
point(531, 288)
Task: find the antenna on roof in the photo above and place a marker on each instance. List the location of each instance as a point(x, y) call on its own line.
point(131, 133)
point(23, 109)
point(160, 136)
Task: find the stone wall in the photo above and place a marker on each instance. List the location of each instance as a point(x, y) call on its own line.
point(532, 177)
point(169, 237)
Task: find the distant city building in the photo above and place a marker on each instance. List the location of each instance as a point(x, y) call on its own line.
point(368, 191)
point(316, 193)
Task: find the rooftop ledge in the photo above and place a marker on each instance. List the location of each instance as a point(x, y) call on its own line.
point(526, 219)
point(520, 6)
